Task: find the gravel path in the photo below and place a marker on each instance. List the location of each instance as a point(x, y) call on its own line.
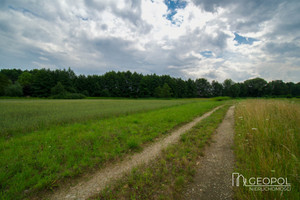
point(213, 177)
point(97, 182)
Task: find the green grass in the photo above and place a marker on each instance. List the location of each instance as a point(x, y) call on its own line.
point(167, 177)
point(267, 144)
point(38, 160)
point(21, 116)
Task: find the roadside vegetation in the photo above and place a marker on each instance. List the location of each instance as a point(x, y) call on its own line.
point(166, 177)
point(267, 144)
point(41, 159)
point(19, 116)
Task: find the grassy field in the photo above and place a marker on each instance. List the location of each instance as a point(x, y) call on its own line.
point(166, 177)
point(267, 144)
point(20, 115)
point(41, 159)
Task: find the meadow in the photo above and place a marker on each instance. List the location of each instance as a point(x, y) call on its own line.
point(267, 144)
point(20, 116)
point(42, 159)
point(46, 143)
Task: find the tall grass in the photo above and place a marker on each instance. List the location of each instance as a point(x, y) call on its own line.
point(40, 159)
point(19, 116)
point(268, 145)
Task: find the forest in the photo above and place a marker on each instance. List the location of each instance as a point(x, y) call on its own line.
point(65, 84)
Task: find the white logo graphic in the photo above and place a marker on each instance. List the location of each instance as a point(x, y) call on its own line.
point(261, 184)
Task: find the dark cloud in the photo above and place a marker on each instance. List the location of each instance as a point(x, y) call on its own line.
point(245, 15)
point(283, 49)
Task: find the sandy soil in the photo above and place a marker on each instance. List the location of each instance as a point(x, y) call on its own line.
point(213, 176)
point(92, 185)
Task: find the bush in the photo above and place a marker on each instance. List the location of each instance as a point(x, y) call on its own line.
point(69, 96)
point(14, 90)
point(75, 96)
point(221, 98)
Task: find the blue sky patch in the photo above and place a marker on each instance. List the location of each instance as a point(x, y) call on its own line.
point(206, 54)
point(23, 10)
point(173, 6)
point(244, 40)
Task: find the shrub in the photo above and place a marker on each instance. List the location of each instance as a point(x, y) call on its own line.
point(75, 96)
point(14, 90)
point(221, 98)
point(69, 96)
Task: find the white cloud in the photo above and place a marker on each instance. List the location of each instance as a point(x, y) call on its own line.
point(98, 36)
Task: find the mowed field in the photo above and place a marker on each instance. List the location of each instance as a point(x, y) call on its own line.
point(44, 142)
point(22, 116)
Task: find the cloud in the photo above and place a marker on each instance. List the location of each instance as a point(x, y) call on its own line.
point(184, 38)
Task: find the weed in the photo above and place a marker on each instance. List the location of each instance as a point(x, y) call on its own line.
point(133, 144)
point(267, 144)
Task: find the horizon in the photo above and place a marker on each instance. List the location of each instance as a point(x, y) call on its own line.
point(132, 72)
point(238, 40)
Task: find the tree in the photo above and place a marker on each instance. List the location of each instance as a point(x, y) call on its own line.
point(12, 74)
point(42, 82)
point(14, 90)
point(296, 89)
point(191, 88)
point(46, 82)
point(243, 90)
point(157, 92)
point(227, 85)
point(255, 87)
point(166, 91)
point(216, 88)
point(58, 89)
point(278, 88)
point(203, 87)
point(234, 90)
point(181, 88)
point(4, 82)
point(25, 79)
point(163, 92)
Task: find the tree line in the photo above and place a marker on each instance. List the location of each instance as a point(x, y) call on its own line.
point(66, 84)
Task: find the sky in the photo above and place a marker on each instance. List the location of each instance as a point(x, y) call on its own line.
point(212, 39)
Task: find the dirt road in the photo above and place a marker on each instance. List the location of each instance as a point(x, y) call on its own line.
point(213, 176)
